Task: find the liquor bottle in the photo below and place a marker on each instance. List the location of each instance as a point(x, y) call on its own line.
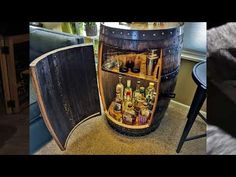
point(149, 91)
point(151, 103)
point(117, 108)
point(136, 93)
point(142, 91)
point(120, 88)
point(129, 115)
point(118, 103)
point(144, 114)
point(127, 101)
point(128, 90)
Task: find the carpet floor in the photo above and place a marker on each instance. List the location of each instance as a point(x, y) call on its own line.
point(95, 137)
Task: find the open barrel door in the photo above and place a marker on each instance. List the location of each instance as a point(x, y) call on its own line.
point(66, 86)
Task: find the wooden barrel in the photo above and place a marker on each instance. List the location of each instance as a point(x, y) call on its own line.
point(139, 37)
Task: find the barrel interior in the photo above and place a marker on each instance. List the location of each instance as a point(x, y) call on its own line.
point(120, 44)
point(109, 82)
point(110, 78)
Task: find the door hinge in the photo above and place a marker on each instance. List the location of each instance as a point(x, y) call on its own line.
point(11, 103)
point(5, 50)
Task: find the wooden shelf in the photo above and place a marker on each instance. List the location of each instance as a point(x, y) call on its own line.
point(107, 80)
point(135, 75)
point(135, 126)
point(125, 125)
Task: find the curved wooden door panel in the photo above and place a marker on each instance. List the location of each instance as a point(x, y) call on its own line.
point(66, 86)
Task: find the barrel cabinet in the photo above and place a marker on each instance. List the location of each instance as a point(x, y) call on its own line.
point(67, 88)
point(122, 41)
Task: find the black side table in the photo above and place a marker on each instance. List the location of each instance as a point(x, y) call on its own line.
point(199, 77)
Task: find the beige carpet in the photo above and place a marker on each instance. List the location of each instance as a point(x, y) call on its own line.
point(96, 137)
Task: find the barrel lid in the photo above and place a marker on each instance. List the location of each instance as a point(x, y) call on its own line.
point(140, 31)
point(142, 25)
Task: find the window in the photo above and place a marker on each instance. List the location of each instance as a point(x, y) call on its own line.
point(194, 41)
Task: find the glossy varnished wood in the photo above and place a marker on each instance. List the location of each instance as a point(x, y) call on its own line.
point(66, 86)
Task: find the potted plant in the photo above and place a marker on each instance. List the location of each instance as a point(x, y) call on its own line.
point(90, 28)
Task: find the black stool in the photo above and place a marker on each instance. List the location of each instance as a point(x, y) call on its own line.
point(199, 76)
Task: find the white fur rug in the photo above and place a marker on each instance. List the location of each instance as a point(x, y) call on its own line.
point(219, 142)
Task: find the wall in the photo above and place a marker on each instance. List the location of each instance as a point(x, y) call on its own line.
point(186, 87)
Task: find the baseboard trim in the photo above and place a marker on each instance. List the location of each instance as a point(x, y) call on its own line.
point(186, 108)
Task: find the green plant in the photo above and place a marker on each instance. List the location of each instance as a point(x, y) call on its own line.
point(90, 23)
point(90, 28)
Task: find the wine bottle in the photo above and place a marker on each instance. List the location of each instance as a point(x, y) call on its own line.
point(120, 88)
point(128, 90)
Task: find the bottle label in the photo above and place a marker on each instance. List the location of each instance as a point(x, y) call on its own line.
point(117, 107)
point(119, 90)
point(137, 95)
point(127, 118)
point(128, 94)
point(142, 119)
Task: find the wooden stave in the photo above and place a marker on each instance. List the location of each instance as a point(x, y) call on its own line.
point(49, 89)
point(172, 47)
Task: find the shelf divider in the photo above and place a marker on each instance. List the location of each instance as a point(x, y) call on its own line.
point(135, 75)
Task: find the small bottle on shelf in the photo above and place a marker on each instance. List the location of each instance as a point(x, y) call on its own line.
point(136, 93)
point(136, 98)
point(144, 114)
point(151, 103)
point(120, 88)
point(129, 115)
point(118, 103)
point(128, 90)
point(127, 101)
point(142, 91)
point(149, 91)
point(116, 108)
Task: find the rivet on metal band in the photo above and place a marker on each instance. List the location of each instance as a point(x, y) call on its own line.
point(170, 75)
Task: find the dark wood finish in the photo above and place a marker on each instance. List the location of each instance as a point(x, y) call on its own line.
point(133, 40)
point(66, 87)
point(170, 40)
